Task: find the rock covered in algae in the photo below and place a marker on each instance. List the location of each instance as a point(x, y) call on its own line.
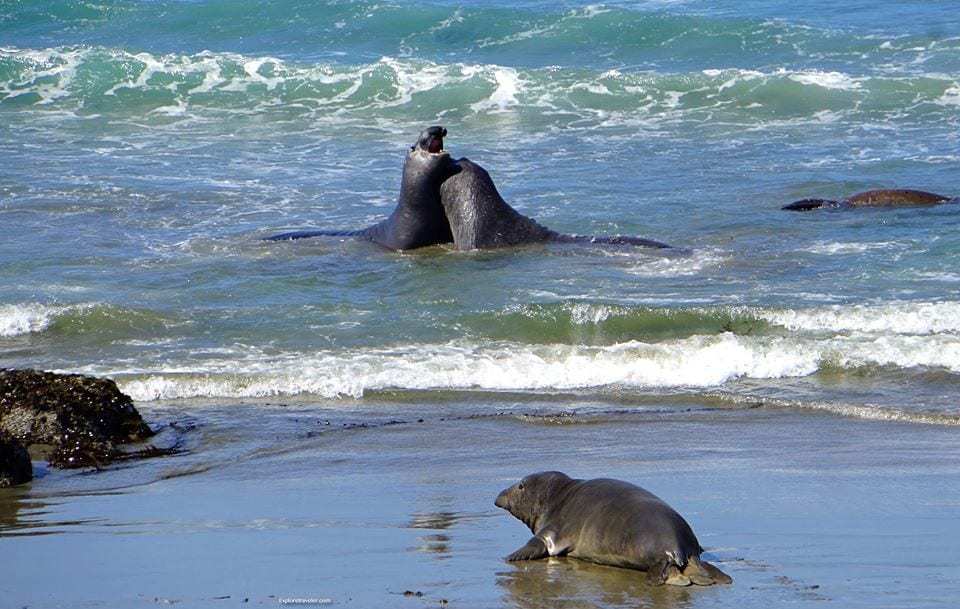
point(75, 420)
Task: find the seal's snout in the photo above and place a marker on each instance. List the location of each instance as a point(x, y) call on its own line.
point(501, 501)
point(431, 140)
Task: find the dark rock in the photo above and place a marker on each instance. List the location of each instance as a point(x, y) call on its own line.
point(80, 419)
point(15, 467)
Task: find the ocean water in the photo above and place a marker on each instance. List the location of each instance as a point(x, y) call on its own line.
point(149, 145)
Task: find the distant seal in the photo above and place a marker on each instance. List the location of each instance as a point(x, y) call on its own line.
point(418, 220)
point(609, 522)
point(480, 219)
point(874, 198)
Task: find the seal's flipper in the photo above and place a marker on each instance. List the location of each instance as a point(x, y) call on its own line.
point(810, 204)
point(675, 577)
point(697, 574)
point(306, 234)
point(614, 240)
point(666, 572)
point(533, 550)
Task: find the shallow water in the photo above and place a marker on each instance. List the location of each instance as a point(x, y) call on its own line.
point(150, 145)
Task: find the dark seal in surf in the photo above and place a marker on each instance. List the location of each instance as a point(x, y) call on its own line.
point(418, 220)
point(609, 522)
point(480, 219)
point(902, 197)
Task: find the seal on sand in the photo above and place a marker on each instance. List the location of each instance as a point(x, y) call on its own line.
point(480, 218)
point(418, 220)
point(874, 198)
point(609, 522)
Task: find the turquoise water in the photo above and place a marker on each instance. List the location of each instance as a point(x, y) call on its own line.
point(149, 146)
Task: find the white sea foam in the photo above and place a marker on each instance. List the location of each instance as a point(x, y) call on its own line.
point(832, 247)
point(50, 72)
point(17, 319)
point(505, 95)
point(590, 11)
point(679, 266)
point(944, 276)
point(898, 318)
point(696, 362)
point(827, 80)
point(950, 97)
point(582, 313)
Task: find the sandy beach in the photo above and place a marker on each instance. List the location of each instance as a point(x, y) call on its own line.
point(315, 501)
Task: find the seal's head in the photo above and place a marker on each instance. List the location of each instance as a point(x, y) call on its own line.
point(531, 498)
point(431, 141)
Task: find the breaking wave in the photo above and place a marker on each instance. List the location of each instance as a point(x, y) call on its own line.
point(597, 323)
point(693, 362)
point(84, 319)
point(98, 81)
point(26, 318)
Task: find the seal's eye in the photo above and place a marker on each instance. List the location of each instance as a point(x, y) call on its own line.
point(520, 486)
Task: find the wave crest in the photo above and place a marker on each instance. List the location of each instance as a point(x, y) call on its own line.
point(697, 362)
point(105, 80)
point(19, 319)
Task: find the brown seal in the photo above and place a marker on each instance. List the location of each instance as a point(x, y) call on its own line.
point(609, 522)
point(902, 197)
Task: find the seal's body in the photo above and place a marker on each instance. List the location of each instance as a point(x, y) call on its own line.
point(418, 220)
point(874, 198)
point(609, 522)
point(480, 219)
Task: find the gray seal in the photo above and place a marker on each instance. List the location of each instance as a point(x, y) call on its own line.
point(480, 219)
point(418, 220)
point(608, 522)
point(902, 197)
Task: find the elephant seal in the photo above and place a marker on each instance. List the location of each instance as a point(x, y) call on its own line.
point(480, 219)
point(418, 220)
point(609, 522)
point(874, 198)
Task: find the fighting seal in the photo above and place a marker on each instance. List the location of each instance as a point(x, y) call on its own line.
point(608, 522)
point(418, 220)
point(874, 198)
point(443, 201)
point(480, 219)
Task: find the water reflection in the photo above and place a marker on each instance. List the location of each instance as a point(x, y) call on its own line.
point(574, 584)
point(10, 503)
point(435, 543)
point(20, 514)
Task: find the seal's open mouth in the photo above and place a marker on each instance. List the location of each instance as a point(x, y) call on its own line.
point(431, 140)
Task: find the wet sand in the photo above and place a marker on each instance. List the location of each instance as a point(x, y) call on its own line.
point(359, 503)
